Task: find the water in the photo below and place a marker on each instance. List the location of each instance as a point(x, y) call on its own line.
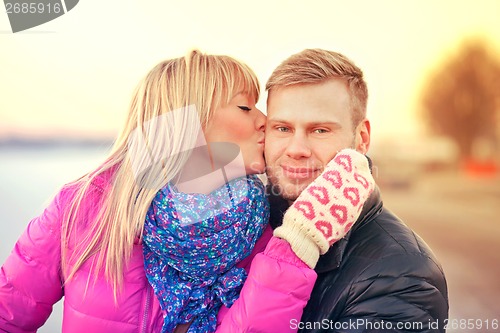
point(29, 178)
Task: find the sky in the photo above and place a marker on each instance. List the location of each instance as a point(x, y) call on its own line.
point(75, 75)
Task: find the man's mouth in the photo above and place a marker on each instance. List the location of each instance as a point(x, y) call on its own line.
point(298, 172)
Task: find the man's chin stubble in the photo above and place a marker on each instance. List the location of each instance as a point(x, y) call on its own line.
point(290, 196)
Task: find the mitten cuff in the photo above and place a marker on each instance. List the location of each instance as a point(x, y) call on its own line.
point(301, 243)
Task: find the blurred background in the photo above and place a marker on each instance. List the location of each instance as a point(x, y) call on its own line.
point(432, 67)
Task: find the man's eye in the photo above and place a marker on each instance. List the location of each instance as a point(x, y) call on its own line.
point(244, 108)
point(320, 130)
point(282, 129)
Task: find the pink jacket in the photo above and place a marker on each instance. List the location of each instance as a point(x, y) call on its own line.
point(277, 288)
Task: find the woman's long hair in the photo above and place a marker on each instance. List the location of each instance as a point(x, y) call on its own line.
point(169, 108)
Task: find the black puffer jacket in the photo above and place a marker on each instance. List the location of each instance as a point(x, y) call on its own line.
point(381, 277)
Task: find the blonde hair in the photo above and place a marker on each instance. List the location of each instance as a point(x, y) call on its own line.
point(317, 66)
point(138, 162)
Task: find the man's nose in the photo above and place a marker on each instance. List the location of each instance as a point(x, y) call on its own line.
point(298, 147)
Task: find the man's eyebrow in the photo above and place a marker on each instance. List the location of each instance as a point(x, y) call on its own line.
point(277, 120)
point(332, 124)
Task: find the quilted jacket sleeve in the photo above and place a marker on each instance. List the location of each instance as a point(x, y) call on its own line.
point(276, 291)
point(30, 281)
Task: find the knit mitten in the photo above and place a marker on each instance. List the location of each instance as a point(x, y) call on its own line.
point(328, 207)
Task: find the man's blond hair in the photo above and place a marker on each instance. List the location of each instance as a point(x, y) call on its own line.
point(313, 66)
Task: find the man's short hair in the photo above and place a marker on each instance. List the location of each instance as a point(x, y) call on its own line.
point(316, 66)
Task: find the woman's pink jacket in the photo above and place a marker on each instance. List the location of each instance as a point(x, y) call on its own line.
point(276, 290)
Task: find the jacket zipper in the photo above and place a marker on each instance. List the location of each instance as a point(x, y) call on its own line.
point(146, 311)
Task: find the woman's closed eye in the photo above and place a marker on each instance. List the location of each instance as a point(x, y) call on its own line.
point(244, 108)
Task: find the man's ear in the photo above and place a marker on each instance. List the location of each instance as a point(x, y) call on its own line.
point(362, 140)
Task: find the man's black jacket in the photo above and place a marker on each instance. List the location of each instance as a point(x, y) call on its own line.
point(381, 277)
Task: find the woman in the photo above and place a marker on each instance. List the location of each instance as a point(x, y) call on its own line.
point(87, 245)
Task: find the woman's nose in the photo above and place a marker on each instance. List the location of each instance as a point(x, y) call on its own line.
point(260, 121)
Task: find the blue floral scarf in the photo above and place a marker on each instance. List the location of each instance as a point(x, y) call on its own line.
point(192, 243)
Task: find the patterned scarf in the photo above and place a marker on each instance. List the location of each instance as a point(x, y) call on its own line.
point(192, 243)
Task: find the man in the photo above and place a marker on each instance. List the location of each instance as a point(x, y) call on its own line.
point(381, 277)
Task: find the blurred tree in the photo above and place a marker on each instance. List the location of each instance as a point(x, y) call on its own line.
point(461, 100)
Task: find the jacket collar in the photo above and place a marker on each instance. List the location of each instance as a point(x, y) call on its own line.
point(332, 259)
